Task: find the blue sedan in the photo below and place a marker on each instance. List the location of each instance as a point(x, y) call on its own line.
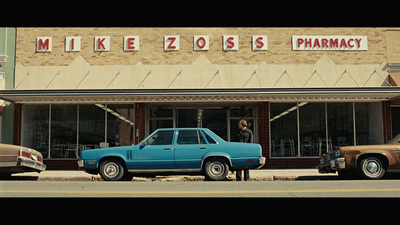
point(174, 151)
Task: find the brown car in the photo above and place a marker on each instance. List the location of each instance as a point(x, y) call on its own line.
point(367, 161)
point(18, 159)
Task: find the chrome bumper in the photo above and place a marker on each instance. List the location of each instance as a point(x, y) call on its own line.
point(332, 165)
point(25, 162)
point(80, 164)
point(261, 160)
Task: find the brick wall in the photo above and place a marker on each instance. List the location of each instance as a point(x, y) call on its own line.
point(61, 164)
point(393, 45)
point(139, 122)
point(151, 46)
point(387, 123)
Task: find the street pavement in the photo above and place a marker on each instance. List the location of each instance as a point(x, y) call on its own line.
point(263, 183)
point(255, 175)
point(117, 189)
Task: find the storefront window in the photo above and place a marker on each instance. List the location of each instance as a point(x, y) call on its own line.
point(120, 124)
point(91, 126)
point(188, 118)
point(395, 120)
point(35, 128)
point(215, 120)
point(369, 131)
point(238, 113)
point(312, 128)
point(340, 125)
point(160, 118)
point(283, 124)
point(311, 119)
point(63, 131)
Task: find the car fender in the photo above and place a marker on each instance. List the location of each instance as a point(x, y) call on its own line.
point(217, 154)
point(388, 157)
point(101, 158)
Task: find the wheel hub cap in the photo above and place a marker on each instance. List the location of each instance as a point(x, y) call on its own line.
point(111, 170)
point(372, 167)
point(217, 169)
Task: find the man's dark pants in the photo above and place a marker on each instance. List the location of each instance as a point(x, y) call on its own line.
point(239, 175)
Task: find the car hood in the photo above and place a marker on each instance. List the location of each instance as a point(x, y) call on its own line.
point(369, 147)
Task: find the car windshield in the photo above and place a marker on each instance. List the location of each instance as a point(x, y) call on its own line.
point(394, 140)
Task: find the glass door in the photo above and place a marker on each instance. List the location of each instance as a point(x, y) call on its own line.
point(235, 114)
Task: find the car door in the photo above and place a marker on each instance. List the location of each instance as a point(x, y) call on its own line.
point(156, 153)
point(190, 148)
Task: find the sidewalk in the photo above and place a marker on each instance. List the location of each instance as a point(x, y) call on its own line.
point(255, 175)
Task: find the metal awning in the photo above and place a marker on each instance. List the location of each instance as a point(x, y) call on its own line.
point(73, 96)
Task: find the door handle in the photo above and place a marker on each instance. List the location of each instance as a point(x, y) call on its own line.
point(203, 147)
point(167, 148)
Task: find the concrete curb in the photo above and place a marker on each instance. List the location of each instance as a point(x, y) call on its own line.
point(255, 175)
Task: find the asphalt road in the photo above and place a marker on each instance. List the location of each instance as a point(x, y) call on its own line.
point(290, 189)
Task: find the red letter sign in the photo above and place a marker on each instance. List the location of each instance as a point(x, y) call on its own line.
point(259, 42)
point(102, 43)
point(231, 42)
point(131, 43)
point(200, 43)
point(72, 44)
point(171, 43)
point(43, 44)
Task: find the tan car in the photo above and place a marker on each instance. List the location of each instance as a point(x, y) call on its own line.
point(18, 159)
point(367, 161)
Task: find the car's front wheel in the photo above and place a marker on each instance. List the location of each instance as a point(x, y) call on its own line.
point(216, 169)
point(371, 168)
point(111, 170)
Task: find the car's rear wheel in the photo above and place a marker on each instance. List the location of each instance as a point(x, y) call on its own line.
point(111, 170)
point(371, 168)
point(216, 169)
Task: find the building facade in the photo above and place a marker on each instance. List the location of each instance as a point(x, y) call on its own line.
point(304, 91)
point(7, 65)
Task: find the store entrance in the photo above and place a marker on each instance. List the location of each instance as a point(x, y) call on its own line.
point(221, 120)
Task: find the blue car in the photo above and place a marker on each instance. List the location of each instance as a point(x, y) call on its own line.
point(174, 151)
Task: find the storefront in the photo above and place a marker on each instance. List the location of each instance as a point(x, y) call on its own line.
point(304, 91)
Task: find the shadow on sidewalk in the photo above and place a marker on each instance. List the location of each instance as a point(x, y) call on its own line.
point(15, 178)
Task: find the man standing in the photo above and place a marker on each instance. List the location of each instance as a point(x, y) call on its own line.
point(244, 135)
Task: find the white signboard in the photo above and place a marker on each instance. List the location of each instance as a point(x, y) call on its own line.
point(330, 43)
point(260, 43)
point(43, 44)
point(171, 43)
point(102, 43)
point(230, 43)
point(200, 43)
point(72, 44)
point(131, 43)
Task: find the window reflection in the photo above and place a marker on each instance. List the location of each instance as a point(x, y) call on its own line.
point(35, 128)
point(120, 125)
point(283, 124)
point(322, 127)
point(63, 131)
point(312, 129)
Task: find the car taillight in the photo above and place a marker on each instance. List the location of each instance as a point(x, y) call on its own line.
point(39, 159)
point(24, 154)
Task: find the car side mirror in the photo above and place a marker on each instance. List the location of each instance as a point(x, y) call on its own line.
point(142, 145)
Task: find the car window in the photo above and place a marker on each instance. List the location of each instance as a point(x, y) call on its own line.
point(209, 138)
point(161, 138)
point(190, 137)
